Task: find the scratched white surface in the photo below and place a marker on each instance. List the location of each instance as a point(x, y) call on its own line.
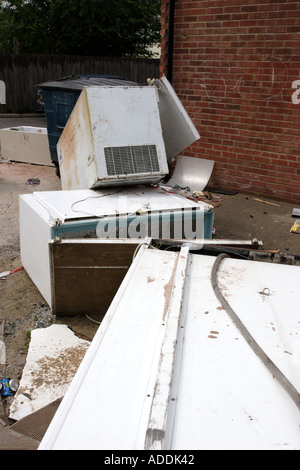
point(110, 390)
point(225, 397)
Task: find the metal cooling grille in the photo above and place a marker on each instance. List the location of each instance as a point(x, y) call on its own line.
point(131, 159)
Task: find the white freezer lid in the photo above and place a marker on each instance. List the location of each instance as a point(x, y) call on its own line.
point(178, 129)
point(225, 396)
point(83, 203)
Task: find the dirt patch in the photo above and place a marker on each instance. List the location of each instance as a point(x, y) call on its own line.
point(22, 306)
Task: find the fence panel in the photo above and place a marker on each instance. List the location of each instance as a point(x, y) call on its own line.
point(21, 73)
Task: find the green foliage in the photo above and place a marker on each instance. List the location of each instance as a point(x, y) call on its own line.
point(83, 27)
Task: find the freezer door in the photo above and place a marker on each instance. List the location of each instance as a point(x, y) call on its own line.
point(179, 131)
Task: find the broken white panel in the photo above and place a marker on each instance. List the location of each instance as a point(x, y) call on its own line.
point(178, 129)
point(215, 392)
point(53, 358)
point(26, 144)
point(191, 172)
point(2, 352)
point(2, 344)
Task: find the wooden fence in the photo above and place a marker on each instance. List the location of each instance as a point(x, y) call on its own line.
point(22, 72)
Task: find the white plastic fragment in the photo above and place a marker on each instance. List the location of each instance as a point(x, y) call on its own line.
point(2, 352)
point(54, 356)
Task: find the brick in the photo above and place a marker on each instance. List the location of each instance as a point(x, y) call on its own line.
point(234, 65)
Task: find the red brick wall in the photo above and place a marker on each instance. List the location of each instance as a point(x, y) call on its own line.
point(236, 69)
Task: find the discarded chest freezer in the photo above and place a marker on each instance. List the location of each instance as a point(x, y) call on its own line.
point(25, 144)
point(168, 368)
point(124, 213)
point(123, 135)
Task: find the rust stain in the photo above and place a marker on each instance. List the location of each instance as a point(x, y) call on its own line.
point(168, 290)
point(150, 279)
point(70, 139)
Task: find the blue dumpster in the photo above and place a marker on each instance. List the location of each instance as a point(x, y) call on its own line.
point(59, 98)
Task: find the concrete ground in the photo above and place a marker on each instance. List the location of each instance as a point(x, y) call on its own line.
point(242, 216)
